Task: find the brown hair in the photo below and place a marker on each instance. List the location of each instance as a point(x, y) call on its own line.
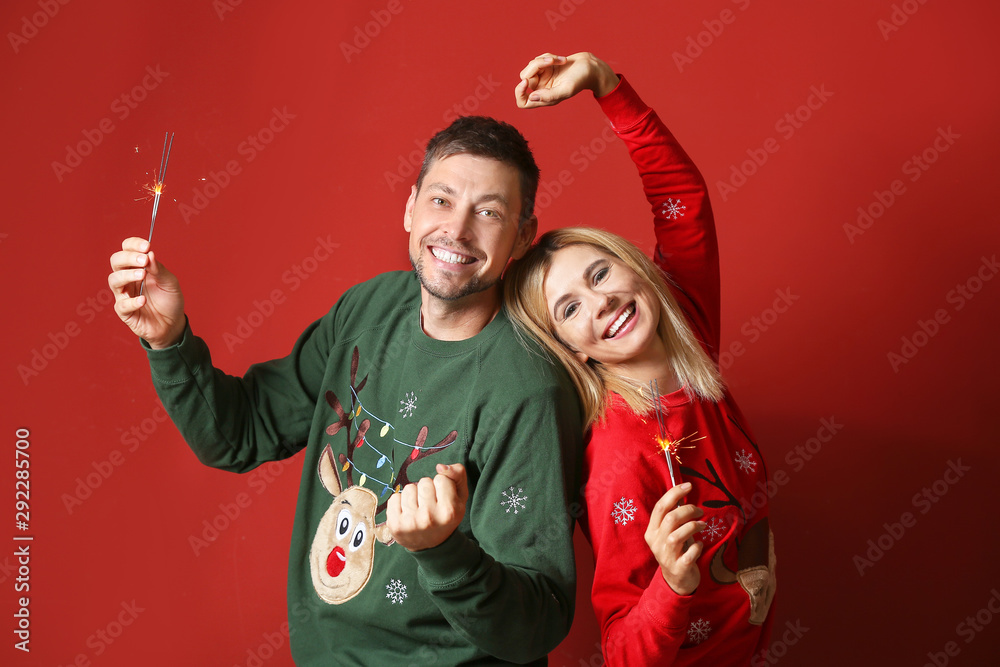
point(487, 137)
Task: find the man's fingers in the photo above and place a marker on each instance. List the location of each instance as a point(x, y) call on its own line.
point(408, 498)
point(135, 243)
point(426, 493)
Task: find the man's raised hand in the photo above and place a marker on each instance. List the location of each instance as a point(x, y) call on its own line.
point(157, 316)
point(549, 79)
point(425, 513)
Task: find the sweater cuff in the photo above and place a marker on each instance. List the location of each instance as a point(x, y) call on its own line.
point(623, 106)
point(450, 563)
point(177, 361)
point(665, 607)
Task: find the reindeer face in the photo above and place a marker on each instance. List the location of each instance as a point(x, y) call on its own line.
point(343, 550)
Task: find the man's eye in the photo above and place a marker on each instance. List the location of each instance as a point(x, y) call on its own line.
point(490, 213)
point(437, 201)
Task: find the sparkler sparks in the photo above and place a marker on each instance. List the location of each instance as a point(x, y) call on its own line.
point(156, 189)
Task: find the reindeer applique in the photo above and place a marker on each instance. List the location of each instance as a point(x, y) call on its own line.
point(343, 550)
point(754, 550)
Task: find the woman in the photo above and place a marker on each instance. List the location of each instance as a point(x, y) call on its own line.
point(674, 583)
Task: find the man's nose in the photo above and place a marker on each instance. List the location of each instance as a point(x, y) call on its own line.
point(458, 223)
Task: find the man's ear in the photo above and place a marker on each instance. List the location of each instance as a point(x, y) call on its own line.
point(408, 211)
point(525, 235)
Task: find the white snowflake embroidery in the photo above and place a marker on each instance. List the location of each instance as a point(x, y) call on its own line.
point(409, 405)
point(673, 209)
point(624, 511)
point(745, 461)
point(395, 591)
point(698, 630)
point(514, 500)
point(714, 529)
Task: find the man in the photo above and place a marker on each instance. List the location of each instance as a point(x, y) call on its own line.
point(408, 372)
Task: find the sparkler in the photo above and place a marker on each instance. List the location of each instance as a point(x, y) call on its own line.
point(157, 188)
point(664, 439)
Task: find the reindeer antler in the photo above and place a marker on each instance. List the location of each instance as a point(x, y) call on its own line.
point(419, 452)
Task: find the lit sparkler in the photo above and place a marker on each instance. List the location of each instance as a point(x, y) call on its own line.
point(156, 189)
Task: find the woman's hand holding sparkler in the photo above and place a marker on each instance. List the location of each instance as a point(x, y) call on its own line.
point(549, 79)
point(156, 315)
point(669, 536)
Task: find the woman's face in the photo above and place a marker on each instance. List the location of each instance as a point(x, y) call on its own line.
point(601, 309)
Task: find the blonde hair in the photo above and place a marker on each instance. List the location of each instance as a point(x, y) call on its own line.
point(524, 298)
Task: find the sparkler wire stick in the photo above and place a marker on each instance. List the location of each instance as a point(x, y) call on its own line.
point(158, 188)
point(654, 389)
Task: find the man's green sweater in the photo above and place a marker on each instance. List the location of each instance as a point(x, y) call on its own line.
point(376, 404)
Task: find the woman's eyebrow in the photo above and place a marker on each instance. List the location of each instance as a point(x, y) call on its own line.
point(587, 272)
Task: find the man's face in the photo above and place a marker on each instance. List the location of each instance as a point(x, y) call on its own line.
point(463, 226)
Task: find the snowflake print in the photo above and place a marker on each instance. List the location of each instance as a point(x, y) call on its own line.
point(673, 209)
point(714, 529)
point(698, 630)
point(514, 500)
point(409, 405)
point(395, 591)
point(624, 511)
point(745, 461)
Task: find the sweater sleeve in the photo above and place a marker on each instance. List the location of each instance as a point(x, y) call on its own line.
point(506, 580)
point(643, 621)
point(686, 244)
point(238, 423)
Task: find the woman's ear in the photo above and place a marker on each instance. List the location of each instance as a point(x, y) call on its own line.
point(581, 356)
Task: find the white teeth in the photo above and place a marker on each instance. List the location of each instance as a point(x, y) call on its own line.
point(620, 321)
point(450, 257)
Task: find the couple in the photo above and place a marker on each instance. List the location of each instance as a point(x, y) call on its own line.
point(427, 422)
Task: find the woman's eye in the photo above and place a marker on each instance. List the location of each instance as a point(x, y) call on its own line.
point(601, 275)
point(570, 309)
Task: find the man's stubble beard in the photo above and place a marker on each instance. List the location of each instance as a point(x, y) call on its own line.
point(446, 292)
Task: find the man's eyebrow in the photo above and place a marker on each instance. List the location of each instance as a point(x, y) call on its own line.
point(447, 189)
point(587, 272)
point(488, 197)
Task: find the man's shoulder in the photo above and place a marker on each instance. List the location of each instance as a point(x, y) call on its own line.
point(385, 292)
point(515, 356)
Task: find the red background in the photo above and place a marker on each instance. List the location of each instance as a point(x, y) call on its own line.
point(357, 117)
